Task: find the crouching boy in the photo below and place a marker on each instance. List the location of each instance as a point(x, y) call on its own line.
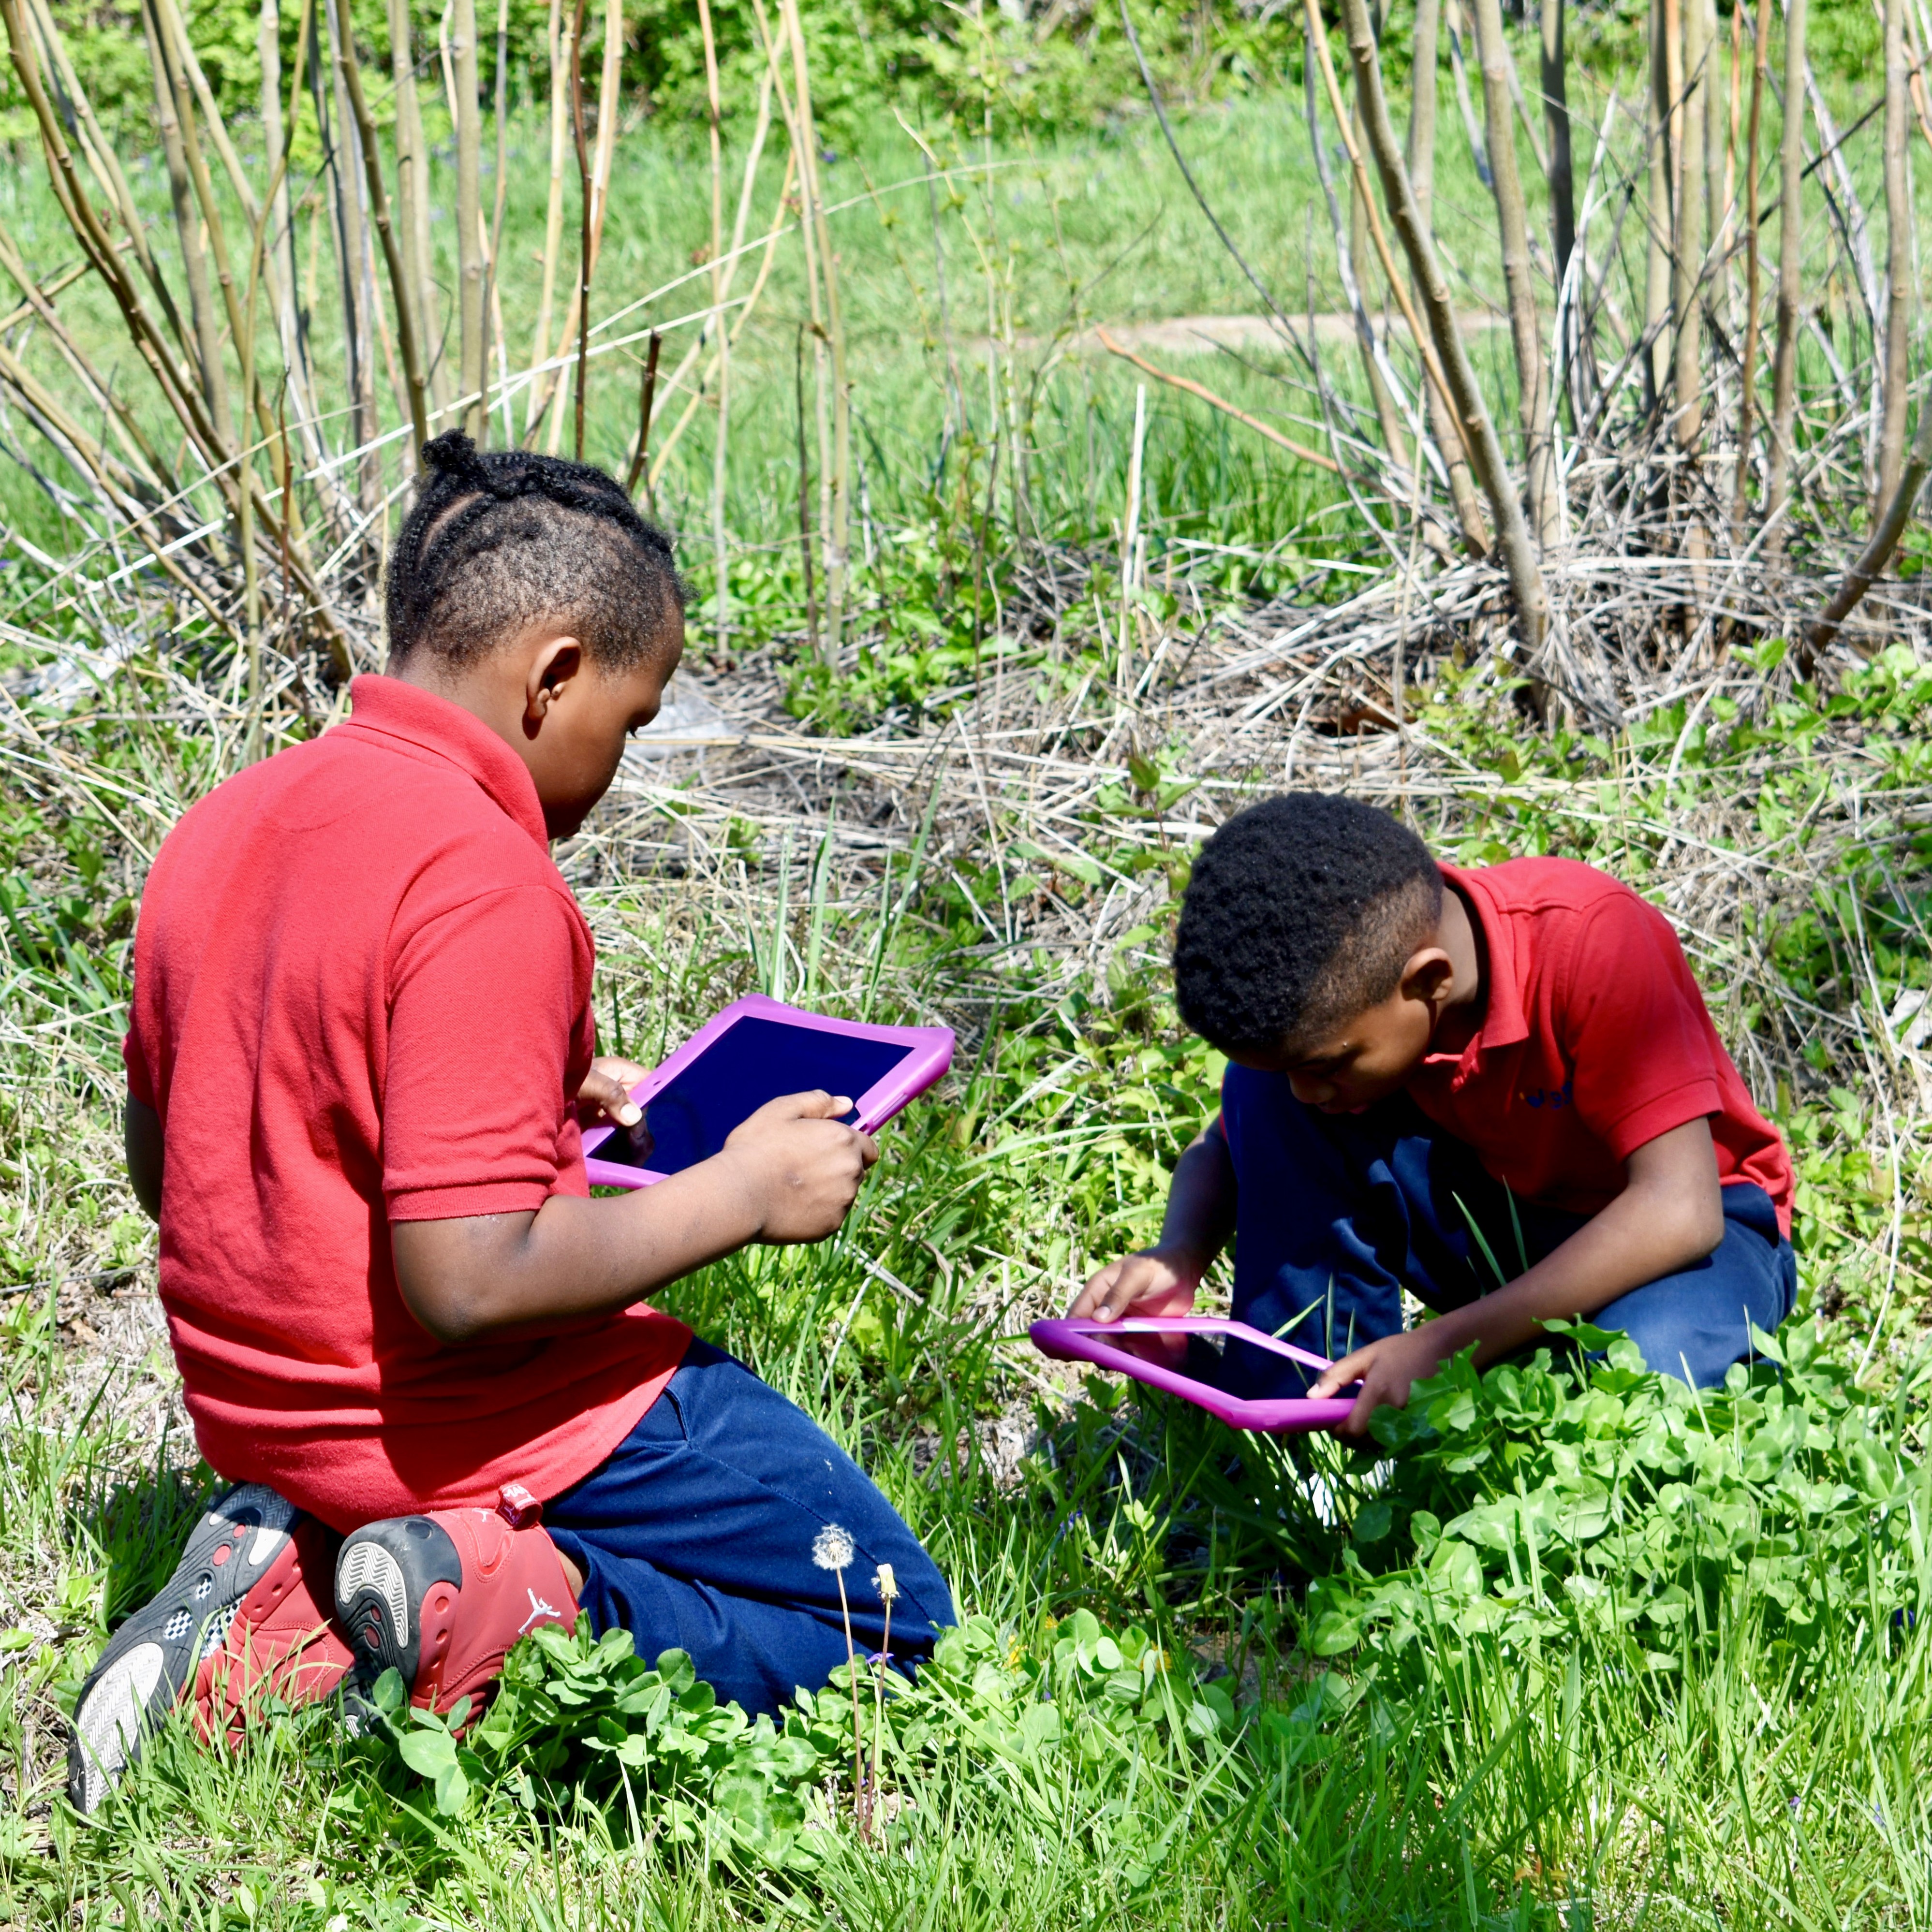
point(1438, 1076)
point(360, 1056)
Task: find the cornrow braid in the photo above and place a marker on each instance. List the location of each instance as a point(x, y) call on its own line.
point(502, 539)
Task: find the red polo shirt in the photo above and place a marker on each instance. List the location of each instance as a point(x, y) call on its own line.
point(362, 995)
point(1594, 1040)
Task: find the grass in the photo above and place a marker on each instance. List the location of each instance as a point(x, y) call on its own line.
point(1575, 1655)
point(1578, 1656)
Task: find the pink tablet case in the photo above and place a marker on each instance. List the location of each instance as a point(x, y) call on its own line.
point(1088, 1341)
point(927, 1053)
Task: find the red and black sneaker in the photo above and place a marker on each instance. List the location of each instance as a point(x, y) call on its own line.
point(440, 1598)
point(284, 1643)
point(238, 1620)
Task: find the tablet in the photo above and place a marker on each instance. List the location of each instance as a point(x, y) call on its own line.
point(756, 1050)
point(1245, 1378)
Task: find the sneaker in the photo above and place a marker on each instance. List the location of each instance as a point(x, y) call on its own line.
point(283, 1642)
point(441, 1598)
point(237, 1600)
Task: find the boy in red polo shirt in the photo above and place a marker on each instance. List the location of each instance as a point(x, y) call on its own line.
point(1426, 1062)
point(359, 1059)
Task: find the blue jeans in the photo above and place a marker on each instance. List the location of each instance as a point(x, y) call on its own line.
point(1337, 1214)
point(697, 1535)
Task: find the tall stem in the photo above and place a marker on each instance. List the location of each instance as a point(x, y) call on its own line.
point(1898, 259)
point(187, 227)
point(720, 553)
point(1748, 373)
point(1351, 249)
point(837, 535)
point(1556, 113)
point(278, 262)
point(1519, 278)
point(332, 111)
point(1790, 266)
point(562, 25)
point(584, 212)
point(1420, 155)
point(1889, 527)
point(1478, 432)
point(412, 199)
point(594, 192)
point(1687, 298)
point(379, 208)
point(1660, 148)
point(473, 364)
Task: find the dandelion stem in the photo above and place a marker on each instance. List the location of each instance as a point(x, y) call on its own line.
point(879, 1697)
point(861, 1808)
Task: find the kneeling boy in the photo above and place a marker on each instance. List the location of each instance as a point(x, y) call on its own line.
point(1439, 1074)
point(360, 1055)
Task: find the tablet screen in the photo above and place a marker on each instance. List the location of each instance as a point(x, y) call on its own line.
point(1237, 1368)
point(751, 1061)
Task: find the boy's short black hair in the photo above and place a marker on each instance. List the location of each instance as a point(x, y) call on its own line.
point(500, 539)
point(1301, 912)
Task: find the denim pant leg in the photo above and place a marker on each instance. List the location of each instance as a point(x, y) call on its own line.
point(697, 1534)
point(1336, 1214)
point(1695, 1323)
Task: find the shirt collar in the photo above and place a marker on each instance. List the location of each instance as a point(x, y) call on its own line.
point(1504, 1023)
point(387, 707)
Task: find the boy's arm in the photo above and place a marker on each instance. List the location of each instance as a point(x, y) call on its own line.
point(1670, 1214)
point(1161, 1279)
point(141, 1136)
point(787, 1174)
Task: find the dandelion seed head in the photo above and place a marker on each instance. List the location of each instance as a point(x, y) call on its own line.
point(886, 1584)
point(832, 1547)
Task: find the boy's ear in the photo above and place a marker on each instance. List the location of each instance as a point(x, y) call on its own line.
point(550, 667)
point(1427, 975)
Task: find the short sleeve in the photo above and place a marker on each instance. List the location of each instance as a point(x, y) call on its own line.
point(1632, 1024)
point(488, 1006)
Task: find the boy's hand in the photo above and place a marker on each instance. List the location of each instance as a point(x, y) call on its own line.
point(605, 1094)
point(1155, 1282)
point(802, 1164)
point(1385, 1369)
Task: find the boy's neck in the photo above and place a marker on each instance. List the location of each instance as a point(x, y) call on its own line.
point(1459, 934)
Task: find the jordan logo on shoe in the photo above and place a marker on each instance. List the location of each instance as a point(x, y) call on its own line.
point(538, 1608)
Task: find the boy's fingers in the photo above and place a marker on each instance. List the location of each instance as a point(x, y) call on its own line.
point(1338, 1376)
point(1084, 1302)
point(625, 1072)
point(816, 1105)
point(1121, 1293)
point(602, 1090)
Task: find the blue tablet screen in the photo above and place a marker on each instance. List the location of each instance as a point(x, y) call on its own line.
point(751, 1061)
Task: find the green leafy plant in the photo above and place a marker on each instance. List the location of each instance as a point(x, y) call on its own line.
point(578, 1718)
point(1539, 1504)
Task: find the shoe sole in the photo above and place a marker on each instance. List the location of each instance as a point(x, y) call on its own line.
point(381, 1577)
point(151, 1658)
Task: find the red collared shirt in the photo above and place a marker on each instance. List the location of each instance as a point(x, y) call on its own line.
point(1594, 1040)
point(362, 995)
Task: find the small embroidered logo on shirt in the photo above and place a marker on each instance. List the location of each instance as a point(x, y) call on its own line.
point(1560, 1096)
point(538, 1608)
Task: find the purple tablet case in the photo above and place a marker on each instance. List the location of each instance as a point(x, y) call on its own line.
point(753, 1051)
point(1090, 1341)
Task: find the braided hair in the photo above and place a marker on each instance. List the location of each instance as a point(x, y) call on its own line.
point(502, 539)
point(1300, 913)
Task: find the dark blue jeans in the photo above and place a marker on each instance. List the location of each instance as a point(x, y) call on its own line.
point(1338, 1214)
point(697, 1535)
